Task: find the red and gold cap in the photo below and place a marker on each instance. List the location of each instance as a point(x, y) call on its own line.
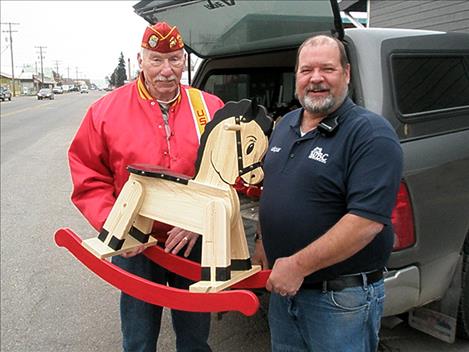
point(162, 37)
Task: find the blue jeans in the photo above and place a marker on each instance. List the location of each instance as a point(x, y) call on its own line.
point(317, 321)
point(140, 321)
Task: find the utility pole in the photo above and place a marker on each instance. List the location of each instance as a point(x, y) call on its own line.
point(42, 66)
point(57, 67)
point(11, 54)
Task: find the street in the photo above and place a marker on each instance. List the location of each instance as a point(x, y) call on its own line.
point(50, 301)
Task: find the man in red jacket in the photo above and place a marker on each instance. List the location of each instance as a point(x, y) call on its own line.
point(153, 120)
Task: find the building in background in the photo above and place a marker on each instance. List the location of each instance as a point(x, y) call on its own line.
point(439, 15)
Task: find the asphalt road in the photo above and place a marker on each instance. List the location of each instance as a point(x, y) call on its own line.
point(49, 301)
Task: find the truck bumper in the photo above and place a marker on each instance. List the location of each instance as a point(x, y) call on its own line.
point(402, 289)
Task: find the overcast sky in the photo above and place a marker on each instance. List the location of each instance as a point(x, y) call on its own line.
point(88, 35)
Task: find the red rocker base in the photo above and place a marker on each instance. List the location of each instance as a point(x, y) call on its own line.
point(243, 301)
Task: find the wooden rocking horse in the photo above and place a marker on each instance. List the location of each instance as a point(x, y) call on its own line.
point(232, 145)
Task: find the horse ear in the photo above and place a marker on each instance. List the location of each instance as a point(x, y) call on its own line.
point(254, 107)
point(252, 110)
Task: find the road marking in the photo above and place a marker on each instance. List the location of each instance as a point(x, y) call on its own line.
point(25, 109)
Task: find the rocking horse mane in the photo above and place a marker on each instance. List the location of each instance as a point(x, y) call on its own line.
point(250, 110)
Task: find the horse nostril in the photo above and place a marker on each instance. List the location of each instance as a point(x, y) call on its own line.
point(252, 176)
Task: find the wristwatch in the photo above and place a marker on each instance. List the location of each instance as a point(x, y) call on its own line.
point(257, 236)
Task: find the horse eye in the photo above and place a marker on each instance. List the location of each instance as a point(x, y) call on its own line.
point(250, 148)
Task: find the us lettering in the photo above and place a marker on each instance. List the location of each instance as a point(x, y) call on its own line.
point(203, 120)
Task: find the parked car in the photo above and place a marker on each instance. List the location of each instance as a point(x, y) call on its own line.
point(5, 94)
point(84, 89)
point(414, 78)
point(45, 93)
point(58, 90)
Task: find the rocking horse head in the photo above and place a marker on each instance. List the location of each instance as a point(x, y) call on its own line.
point(234, 143)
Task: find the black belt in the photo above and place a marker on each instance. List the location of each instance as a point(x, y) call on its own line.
point(342, 282)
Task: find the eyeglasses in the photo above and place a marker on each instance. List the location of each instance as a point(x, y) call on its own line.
point(173, 61)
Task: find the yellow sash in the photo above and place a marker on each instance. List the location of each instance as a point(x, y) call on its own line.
point(199, 110)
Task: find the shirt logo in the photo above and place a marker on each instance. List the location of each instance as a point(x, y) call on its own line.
point(275, 149)
point(318, 155)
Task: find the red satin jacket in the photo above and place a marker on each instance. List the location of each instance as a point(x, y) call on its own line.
point(126, 127)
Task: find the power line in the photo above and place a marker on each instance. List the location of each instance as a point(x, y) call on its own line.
point(42, 67)
point(57, 66)
point(6, 48)
point(11, 54)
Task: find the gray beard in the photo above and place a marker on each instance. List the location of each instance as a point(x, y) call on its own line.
point(318, 106)
point(324, 105)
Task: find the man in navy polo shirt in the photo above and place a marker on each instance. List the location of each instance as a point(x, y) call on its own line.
point(332, 173)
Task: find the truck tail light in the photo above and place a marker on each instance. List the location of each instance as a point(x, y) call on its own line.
point(403, 220)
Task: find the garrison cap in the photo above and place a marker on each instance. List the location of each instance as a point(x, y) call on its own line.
point(162, 37)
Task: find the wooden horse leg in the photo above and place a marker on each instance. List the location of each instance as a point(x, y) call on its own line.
point(217, 273)
point(141, 228)
point(113, 238)
point(240, 257)
point(215, 248)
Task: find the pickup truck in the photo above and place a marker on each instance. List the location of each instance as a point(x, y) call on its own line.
point(418, 80)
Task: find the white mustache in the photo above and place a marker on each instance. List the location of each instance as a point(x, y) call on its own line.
point(165, 79)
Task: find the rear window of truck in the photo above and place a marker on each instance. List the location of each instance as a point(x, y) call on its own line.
point(275, 89)
point(425, 84)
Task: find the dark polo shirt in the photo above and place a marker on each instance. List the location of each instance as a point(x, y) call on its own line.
point(312, 181)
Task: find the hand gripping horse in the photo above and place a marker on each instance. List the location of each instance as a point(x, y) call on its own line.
point(232, 145)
